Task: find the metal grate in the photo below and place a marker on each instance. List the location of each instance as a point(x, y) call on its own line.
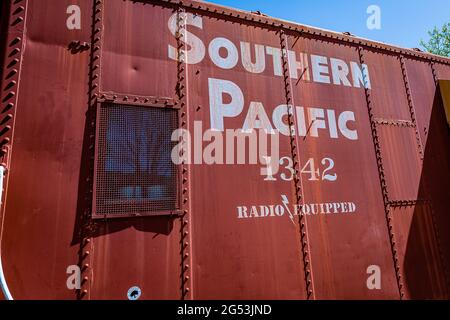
point(135, 174)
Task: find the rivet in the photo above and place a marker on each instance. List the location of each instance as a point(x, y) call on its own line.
point(5, 130)
point(5, 141)
point(7, 118)
point(15, 41)
point(18, 10)
point(17, 21)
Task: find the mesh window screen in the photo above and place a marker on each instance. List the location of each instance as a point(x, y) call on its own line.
point(135, 174)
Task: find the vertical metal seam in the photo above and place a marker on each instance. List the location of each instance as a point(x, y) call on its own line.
point(412, 109)
point(383, 183)
point(434, 72)
point(12, 71)
point(186, 236)
point(86, 243)
point(297, 168)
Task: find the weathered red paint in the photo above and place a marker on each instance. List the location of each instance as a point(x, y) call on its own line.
point(397, 171)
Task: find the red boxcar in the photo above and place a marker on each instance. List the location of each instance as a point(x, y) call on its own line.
point(133, 135)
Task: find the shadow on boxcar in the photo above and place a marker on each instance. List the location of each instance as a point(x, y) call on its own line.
point(427, 250)
point(85, 226)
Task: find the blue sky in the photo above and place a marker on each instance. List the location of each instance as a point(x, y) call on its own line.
point(403, 23)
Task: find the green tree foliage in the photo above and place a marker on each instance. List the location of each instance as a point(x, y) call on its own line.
point(439, 42)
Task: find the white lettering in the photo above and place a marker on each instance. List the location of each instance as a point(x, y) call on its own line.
point(230, 60)
point(219, 109)
point(320, 69)
point(197, 49)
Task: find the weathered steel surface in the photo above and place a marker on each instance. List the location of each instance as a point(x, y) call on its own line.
point(423, 89)
point(416, 239)
point(389, 96)
point(43, 181)
point(333, 262)
point(265, 262)
point(131, 62)
point(401, 161)
point(444, 86)
point(395, 172)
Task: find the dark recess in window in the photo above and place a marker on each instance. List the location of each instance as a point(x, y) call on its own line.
point(134, 172)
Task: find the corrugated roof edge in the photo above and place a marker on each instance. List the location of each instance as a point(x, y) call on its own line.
point(296, 27)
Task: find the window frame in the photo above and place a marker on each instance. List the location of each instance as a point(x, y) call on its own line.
point(143, 103)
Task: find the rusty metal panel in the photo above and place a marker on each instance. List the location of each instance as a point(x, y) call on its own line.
point(132, 63)
point(361, 113)
point(339, 272)
point(427, 179)
point(134, 69)
point(388, 89)
point(423, 90)
point(435, 179)
point(441, 71)
point(38, 241)
point(401, 161)
point(242, 253)
point(420, 260)
point(139, 253)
